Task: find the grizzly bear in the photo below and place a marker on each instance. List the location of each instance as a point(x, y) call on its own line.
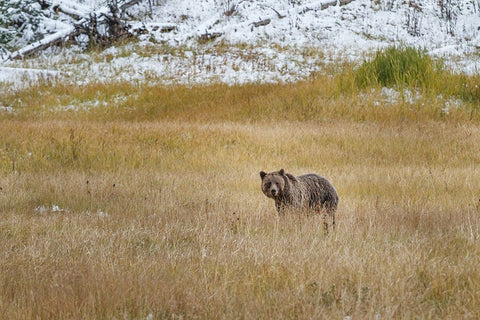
point(309, 191)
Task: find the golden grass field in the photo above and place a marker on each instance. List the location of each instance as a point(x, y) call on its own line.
point(150, 207)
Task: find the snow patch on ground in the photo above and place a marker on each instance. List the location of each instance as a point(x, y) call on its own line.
point(7, 109)
point(16, 75)
point(46, 209)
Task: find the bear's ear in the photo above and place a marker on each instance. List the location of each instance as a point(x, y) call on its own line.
point(282, 172)
point(262, 174)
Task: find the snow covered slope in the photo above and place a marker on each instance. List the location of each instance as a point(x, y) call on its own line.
point(271, 40)
point(359, 25)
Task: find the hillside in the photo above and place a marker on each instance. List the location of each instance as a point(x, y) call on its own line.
point(257, 41)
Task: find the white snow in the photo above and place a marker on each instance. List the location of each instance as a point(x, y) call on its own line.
point(300, 40)
point(47, 209)
point(17, 75)
point(7, 109)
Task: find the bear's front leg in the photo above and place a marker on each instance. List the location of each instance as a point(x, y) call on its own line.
point(280, 207)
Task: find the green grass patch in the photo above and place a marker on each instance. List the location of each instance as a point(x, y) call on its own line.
point(408, 68)
point(399, 67)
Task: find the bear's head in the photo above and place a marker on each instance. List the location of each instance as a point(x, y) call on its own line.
point(273, 183)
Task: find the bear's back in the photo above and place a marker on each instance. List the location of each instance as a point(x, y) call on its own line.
point(319, 189)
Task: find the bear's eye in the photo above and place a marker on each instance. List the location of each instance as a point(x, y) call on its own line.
point(268, 184)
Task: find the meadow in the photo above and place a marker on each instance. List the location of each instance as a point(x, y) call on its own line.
point(126, 201)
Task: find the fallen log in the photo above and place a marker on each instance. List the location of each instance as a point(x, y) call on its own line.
point(324, 5)
point(261, 23)
point(84, 22)
point(128, 4)
point(74, 10)
point(51, 40)
point(206, 37)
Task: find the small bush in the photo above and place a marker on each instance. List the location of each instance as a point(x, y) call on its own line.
point(398, 67)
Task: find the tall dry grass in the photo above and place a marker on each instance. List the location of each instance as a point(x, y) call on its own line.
point(149, 206)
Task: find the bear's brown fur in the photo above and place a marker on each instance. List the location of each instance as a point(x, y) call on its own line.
point(309, 191)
